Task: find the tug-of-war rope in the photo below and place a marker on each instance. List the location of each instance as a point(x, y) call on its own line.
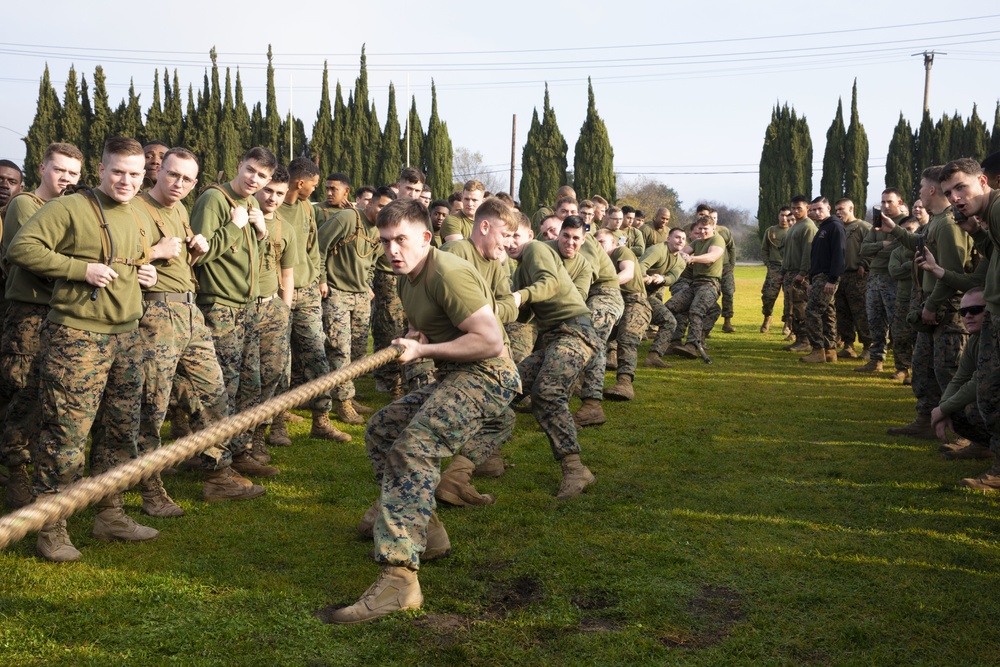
point(80, 495)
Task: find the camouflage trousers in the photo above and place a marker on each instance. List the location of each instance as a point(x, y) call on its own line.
point(345, 319)
point(902, 332)
point(407, 439)
point(666, 323)
point(272, 323)
point(20, 355)
point(935, 359)
point(176, 345)
point(388, 323)
point(821, 315)
point(969, 423)
point(796, 296)
point(988, 378)
point(699, 303)
point(237, 348)
point(522, 337)
point(728, 287)
point(81, 373)
point(606, 307)
point(550, 371)
point(852, 314)
point(771, 288)
point(631, 330)
point(880, 301)
point(307, 345)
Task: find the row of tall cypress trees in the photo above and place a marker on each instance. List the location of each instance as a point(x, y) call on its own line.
point(218, 126)
point(787, 156)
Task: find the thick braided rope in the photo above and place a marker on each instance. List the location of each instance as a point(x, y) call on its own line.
point(87, 491)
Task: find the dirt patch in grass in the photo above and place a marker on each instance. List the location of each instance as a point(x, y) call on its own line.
point(507, 596)
point(595, 599)
point(598, 625)
point(444, 623)
point(715, 610)
point(324, 613)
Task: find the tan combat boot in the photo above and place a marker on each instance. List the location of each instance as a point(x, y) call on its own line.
point(18, 487)
point(591, 413)
point(245, 464)
point(920, 427)
point(155, 501)
point(438, 544)
point(227, 484)
point(873, 366)
point(766, 326)
point(324, 430)
point(491, 467)
point(54, 545)
point(622, 391)
point(687, 350)
point(292, 418)
point(847, 352)
point(988, 481)
point(180, 425)
point(954, 451)
point(576, 477)
point(817, 356)
point(727, 325)
point(455, 487)
point(800, 346)
point(612, 362)
point(258, 448)
point(347, 414)
point(279, 431)
point(900, 375)
point(831, 356)
point(362, 409)
point(866, 352)
point(653, 360)
point(111, 523)
point(366, 527)
point(396, 589)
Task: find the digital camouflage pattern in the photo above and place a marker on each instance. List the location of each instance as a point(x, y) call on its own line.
point(728, 288)
point(522, 337)
point(237, 349)
point(631, 330)
point(796, 297)
point(407, 439)
point(666, 323)
point(388, 323)
point(771, 288)
point(20, 346)
point(272, 323)
point(988, 378)
point(308, 349)
point(852, 313)
point(821, 315)
point(699, 302)
point(606, 307)
point(345, 317)
point(936, 355)
point(880, 302)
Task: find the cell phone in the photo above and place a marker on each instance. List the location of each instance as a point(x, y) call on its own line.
point(920, 245)
point(877, 218)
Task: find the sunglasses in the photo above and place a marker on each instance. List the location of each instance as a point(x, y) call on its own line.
point(971, 310)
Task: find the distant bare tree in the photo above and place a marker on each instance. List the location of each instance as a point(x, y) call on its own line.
point(645, 194)
point(467, 165)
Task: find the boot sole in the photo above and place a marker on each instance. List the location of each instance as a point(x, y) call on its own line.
point(249, 496)
point(617, 397)
point(454, 499)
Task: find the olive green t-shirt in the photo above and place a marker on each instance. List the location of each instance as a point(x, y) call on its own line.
point(457, 224)
point(625, 254)
point(607, 275)
point(349, 246)
point(301, 217)
point(580, 269)
point(651, 235)
point(493, 273)
point(280, 250)
point(658, 260)
point(546, 287)
point(702, 246)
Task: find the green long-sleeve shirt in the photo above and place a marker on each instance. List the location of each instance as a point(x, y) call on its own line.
point(580, 269)
point(772, 245)
point(798, 244)
point(991, 289)
point(23, 286)
point(281, 240)
point(901, 270)
point(962, 281)
point(855, 233)
point(227, 273)
point(877, 253)
point(607, 275)
point(546, 287)
point(172, 275)
point(651, 235)
point(62, 238)
point(961, 390)
point(952, 250)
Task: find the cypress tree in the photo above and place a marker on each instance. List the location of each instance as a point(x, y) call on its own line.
point(390, 163)
point(43, 131)
point(256, 126)
point(552, 149)
point(189, 129)
point(438, 151)
point(127, 121)
point(415, 135)
point(528, 189)
point(995, 137)
point(593, 157)
point(241, 119)
point(207, 129)
point(87, 114)
point(899, 160)
point(353, 128)
point(774, 190)
point(942, 140)
point(229, 144)
point(832, 184)
point(322, 132)
point(339, 128)
point(856, 157)
point(99, 128)
point(271, 136)
point(373, 147)
point(71, 120)
point(154, 115)
point(173, 118)
point(923, 151)
point(801, 153)
point(976, 138)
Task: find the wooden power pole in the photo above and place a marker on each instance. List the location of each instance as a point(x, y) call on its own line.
point(513, 151)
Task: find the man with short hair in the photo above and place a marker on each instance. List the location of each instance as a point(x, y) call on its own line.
point(439, 211)
point(880, 297)
point(176, 342)
point(27, 306)
point(459, 226)
point(852, 314)
point(229, 217)
point(633, 236)
point(348, 247)
point(585, 209)
point(153, 153)
point(545, 210)
point(795, 267)
point(548, 230)
point(826, 265)
point(635, 316)
point(659, 230)
point(706, 256)
point(600, 208)
point(11, 181)
point(772, 246)
point(452, 318)
point(363, 195)
point(93, 363)
point(565, 207)
point(426, 195)
point(338, 194)
point(660, 267)
point(455, 201)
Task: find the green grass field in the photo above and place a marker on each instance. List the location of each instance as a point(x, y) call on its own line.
point(751, 512)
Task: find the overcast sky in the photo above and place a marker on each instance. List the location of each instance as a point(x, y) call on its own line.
point(686, 89)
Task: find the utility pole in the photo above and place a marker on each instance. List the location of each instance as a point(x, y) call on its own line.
point(928, 63)
point(513, 148)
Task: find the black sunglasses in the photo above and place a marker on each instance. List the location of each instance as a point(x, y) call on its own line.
point(971, 310)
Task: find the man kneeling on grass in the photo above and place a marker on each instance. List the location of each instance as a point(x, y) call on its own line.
point(452, 320)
